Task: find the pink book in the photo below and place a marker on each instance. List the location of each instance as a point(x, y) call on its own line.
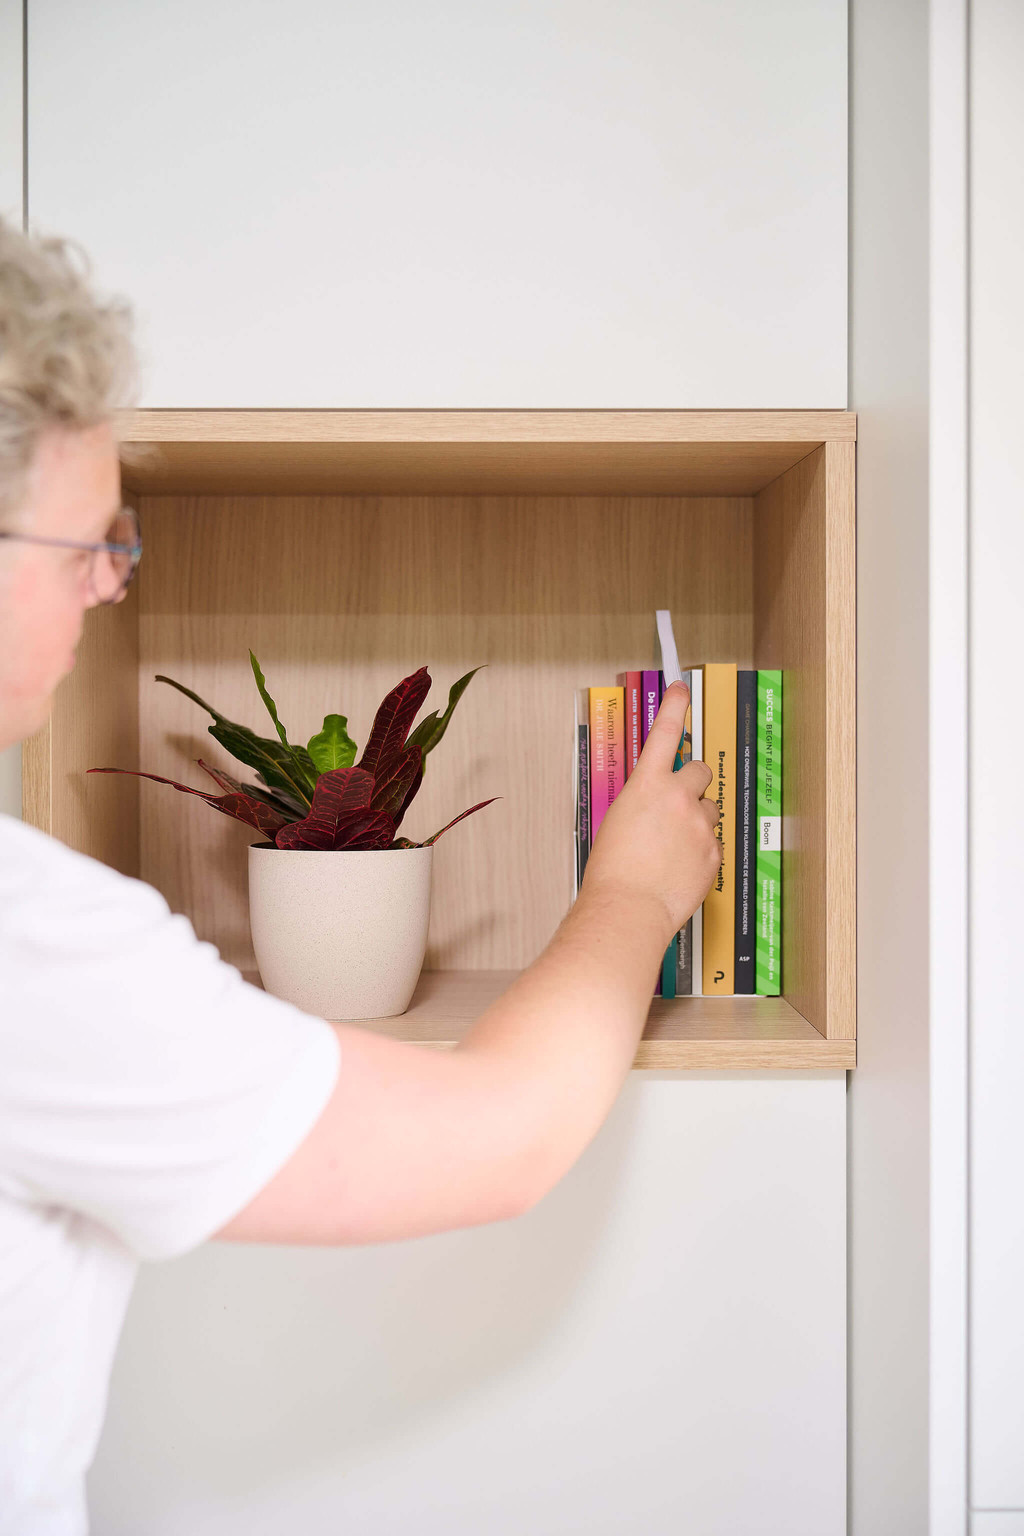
point(632, 682)
point(607, 751)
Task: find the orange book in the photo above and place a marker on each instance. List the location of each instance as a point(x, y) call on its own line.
point(720, 756)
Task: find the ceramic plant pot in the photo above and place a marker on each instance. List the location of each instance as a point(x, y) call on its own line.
point(341, 935)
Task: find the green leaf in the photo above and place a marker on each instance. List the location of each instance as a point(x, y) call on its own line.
point(302, 758)
point(261, 684)
point(332, 747)
point(430, 729)
point(275, 763)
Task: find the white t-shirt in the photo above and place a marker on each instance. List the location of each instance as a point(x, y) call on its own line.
point(147, 1093)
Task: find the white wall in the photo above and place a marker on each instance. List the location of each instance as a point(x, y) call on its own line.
point(581, 203)
point(640, 205)
point(658, 1348)
point(996, 757)
point(888, 1100)
point(948, 638)
point(11, 161)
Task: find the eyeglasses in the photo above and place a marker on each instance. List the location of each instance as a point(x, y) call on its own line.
point(123, 545)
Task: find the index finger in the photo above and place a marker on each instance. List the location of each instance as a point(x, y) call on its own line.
point(666, 733)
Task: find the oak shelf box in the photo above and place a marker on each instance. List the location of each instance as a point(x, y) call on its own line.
point(347, 548)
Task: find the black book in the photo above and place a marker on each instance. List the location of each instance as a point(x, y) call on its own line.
point(746, 830)
point(582, 784)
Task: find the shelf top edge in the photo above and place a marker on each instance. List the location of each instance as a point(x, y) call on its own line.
point(483, 427)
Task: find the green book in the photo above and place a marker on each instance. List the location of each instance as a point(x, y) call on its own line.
point(768, 948)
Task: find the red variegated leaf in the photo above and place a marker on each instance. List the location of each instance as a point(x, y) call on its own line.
point(452, 823)
point(399, 815)
point(338, 794)
point(391, 792)
point(403, 842)
point(392, 721)
point(376, 832)
point(360, 828)
point(226, 782)
point(255, 791)
point(255, 813)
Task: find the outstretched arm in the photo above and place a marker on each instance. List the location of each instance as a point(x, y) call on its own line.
point(415, 1141)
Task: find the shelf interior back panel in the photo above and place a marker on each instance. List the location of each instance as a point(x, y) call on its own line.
point(340, 597)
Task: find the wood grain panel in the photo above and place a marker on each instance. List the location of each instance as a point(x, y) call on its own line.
point(487, 426)
point(37, 780)
point(695, 1033)
point(691, 453)
point(804, 623)
point(94, 723)
point(647, 469)
point(341, 597)
point(841, 775)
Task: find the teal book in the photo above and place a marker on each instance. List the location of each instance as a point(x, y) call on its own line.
point(768, 945)
point(668, 969)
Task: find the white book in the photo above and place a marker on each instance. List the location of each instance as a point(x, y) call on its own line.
point(667, 642)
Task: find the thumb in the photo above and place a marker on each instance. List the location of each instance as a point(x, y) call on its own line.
point(659, 750)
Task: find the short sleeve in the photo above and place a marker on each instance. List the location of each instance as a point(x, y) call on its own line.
point(143, 1082)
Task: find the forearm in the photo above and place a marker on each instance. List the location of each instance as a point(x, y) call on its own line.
point(416, 1141)
point(565, 1033)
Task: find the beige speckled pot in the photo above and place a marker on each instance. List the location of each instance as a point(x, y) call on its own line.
point(341, 935)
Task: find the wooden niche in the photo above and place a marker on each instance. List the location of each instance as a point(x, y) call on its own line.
point(348, 548)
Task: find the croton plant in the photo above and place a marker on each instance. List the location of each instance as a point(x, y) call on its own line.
point(318, 796)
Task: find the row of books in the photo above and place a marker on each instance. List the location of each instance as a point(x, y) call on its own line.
point(733, 944)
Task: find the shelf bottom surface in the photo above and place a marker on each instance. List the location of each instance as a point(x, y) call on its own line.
point(691, 1032)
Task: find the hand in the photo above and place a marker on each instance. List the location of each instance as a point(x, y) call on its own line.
point(657, 840)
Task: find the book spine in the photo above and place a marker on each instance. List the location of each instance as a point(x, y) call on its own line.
point(697, 749)
point(607, 752)
point(659, 988)
point(650, 698)
point(632, 684)
point(582, 783)
point(684, 938)
point(746, 830)
point(768, 946)
point(720, 756)
point(669, 966)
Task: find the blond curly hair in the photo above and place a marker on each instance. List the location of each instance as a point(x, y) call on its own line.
point(66, 356)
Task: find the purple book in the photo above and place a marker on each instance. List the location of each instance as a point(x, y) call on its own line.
point(650, 698)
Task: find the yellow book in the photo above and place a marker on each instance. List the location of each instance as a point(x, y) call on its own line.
point(720, 756)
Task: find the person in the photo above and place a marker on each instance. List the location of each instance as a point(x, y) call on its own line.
point(150, 1099)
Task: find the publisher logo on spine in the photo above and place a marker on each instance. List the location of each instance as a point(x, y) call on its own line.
point(771, 834)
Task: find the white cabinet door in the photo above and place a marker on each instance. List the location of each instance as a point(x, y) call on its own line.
point(657, 1350)
point(593, 203)
point(996, 763)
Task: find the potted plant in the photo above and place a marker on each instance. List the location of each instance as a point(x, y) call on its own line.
point(339, 905)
